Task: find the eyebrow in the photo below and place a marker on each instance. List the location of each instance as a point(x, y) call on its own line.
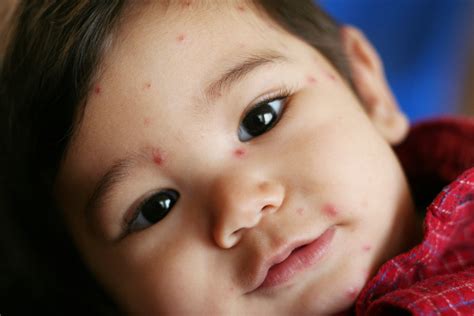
point(115, 174)
point(242, 69)
point(120, 169)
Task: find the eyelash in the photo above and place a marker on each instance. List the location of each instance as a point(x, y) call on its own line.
point(283, 93)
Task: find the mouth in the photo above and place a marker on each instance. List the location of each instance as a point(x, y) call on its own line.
point(293, 259)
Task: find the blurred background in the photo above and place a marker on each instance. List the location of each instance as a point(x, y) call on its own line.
point(427, 47)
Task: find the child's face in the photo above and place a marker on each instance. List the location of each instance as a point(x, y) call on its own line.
point(324, 169)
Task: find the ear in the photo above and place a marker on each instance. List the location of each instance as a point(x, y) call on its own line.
point(371, 86)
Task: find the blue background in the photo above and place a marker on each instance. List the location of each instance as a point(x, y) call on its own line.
point(423, 44)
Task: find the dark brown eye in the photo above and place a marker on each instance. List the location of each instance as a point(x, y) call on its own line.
point(154, 209)
point(260, 119)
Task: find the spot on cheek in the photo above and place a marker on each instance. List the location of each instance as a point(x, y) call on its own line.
point(366, 248)
point(158, 157)
point(241, 8)
point(300, 211)
point(186, 3)
point(330, 210)
point(180, 38)
point(147, 85)
point(239, 152)
point(310, 79)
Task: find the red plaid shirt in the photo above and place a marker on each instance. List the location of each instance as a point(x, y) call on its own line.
point(437, 276)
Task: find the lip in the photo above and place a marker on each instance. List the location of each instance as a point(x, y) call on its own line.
point(293, 259)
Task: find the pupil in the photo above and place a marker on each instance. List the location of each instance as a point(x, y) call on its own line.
point(259, 120)
point(158, 206)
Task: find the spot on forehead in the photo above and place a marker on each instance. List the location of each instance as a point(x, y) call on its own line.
point(239, 152)
point(158, 157)
point(97, 89)
point(331, 76)
point(181, 37)
point(311, 79)
point(147, 121)
point(330, 210)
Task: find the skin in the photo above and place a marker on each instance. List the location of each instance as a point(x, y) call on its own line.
point(327, 163)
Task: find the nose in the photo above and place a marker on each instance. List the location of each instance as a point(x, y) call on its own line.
point(239, 202)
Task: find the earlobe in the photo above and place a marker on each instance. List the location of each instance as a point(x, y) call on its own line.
point(371, 86)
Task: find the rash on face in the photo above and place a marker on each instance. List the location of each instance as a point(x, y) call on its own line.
point(239, 152)
point(158, 157)
point(330, 210)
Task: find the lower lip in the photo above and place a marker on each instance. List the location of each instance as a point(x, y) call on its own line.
point(300, 259)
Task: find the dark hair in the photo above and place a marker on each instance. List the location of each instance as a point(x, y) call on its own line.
point(54, 51)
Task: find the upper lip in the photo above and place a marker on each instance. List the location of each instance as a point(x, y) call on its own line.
point(280, 254)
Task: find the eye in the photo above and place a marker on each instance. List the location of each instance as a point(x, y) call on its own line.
point(261, 118)
point(154, 209)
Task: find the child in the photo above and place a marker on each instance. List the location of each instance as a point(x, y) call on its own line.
point(225, 157)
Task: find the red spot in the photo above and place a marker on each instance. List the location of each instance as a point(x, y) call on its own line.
point(310, 79)
point(330, 210)
point(97, 89)
point(147, 85)
point(331, 76)
point(352, 293)
point(300, 211)
point(241, 8)
point(186, 3)
point(366, 248)
point(181, 38)
point(147, 121)
point(158, 157)
point(239, 152)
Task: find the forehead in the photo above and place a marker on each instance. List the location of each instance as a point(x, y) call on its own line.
point(171, 51)
point(181, 40)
